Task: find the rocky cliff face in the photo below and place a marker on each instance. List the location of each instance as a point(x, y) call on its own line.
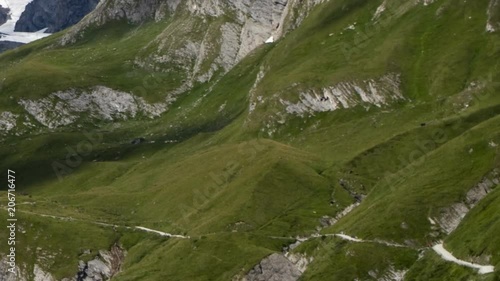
point(275, 267)
point(104, 266)
point(7, 45)
point(204, 40)
point(53, 15)
point(452, 216)
point(207, 37)
point(100, 103)
point(493, 23)
point(4, 15)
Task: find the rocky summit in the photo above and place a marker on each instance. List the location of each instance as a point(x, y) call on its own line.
point(4, 15)
point(25, 21)
point(250, 140)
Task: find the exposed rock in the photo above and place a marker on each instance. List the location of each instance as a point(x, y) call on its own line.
point(451, 217)
point(230, 45)
point(53, 15)
point(254, 99)
point(137, 141)
point(8, 45)
point(130, 10)
point(4, 14)
point(5, 275)
point(346, 95)
point(40, 275)
point(103, 267)
point(275, 267)
point(493, 22)
point(100, 103)
point(8, 121)
point(393, 275)
point(300, 261)
point(202, 53)
point(328, 221)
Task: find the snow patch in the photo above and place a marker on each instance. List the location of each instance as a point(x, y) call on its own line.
point(7, 32)
point(270, 40)
point(16, 8)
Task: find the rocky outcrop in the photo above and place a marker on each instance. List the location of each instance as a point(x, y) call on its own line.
point(392, 275)
point(53, 15)
point(5, 275)
point(8, 45)
point(277, 267)
point(376, 92)
point(451, 216)
point(4, 14)
point(493, 22)
point(103, 267)
point(98, 104)
point(41, 275)
point(208, 47)
point(7, 121)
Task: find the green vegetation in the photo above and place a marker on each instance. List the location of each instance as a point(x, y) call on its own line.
point(241, 193)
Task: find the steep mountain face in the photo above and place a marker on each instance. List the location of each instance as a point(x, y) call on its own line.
point(25, 21)
point(493, 23)
point(7, 45)
point(257, 140)
point(54, 15)
point(7, 29)
point(215, 34)
point(207, 40)
point(4, 14)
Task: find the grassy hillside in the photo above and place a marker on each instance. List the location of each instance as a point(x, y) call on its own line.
point(230, 167)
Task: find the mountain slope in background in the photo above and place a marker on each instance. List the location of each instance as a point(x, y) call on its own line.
point(24, 21)
point(258, 140)
point(54, 15)
point(4, 15)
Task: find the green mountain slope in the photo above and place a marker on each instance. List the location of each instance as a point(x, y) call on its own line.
point(366, 133)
